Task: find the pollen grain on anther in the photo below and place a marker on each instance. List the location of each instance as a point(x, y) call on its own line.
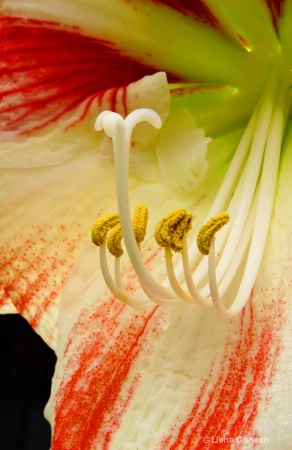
point(209, 229)
point(170, 230)
point(102, 226)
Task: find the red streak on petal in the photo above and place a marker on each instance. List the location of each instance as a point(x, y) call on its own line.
point(87, 412)
point(276, 9)
point(113, 97)
point(4, 298)
point(243, 41)
point(186, 90)
point(46, 72)
point(230, 406)
point(195, 8)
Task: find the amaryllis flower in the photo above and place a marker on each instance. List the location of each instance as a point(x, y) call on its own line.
point(160, 348)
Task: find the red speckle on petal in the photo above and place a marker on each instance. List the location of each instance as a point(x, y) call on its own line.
point(33, 269)
point(96, 389)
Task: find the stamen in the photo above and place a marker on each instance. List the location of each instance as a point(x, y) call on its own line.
point(139, 223)
point(262, 204)
point(100, 231)
point(114, 241)
point(170, 230)
point(238, 187)
point(102, 226)
point(169, 233)
point(193, 289)
point(100, 234)
point(209, 230)
point(119, 292)
point(173, 280)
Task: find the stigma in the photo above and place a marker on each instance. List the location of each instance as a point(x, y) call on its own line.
point(238, 219)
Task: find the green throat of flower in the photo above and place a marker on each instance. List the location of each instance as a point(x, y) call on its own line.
point(246, 194)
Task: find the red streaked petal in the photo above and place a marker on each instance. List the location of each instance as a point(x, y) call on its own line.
point(194, 374)
point(153, 33)
point(229, 405)
point(54, 184)
point(114, 369)
point(48, 71)
point(276, 8)
point(33, 274)
point(85, 401)
point(196, 8)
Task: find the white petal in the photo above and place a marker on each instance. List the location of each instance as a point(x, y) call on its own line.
point(54, 184)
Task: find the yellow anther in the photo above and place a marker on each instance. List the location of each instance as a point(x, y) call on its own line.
point(114, 241)
point(102, 226)
point(209, 230)
point(170, 230)
point(139, 223)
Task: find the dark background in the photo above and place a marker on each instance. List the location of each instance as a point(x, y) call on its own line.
point(26, 369)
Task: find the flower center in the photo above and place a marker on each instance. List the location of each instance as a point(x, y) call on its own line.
point(247, 193)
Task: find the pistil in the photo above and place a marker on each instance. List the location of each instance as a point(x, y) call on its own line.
point(120, 130)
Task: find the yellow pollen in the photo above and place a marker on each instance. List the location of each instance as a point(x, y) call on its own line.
point(114, 241)
point(139, 223)
point(170, 230)
point(111, 221)
point(102, 226)
point(209, 230)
